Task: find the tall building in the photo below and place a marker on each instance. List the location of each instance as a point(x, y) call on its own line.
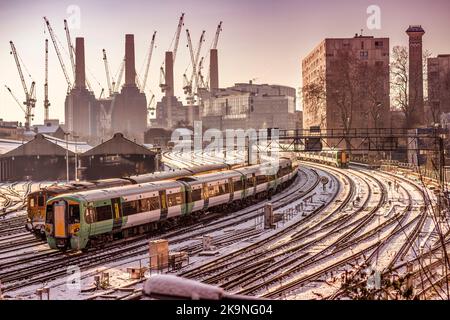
point(438, 86)
point(80, 104)
point(415, 99)
point(346, 84)
point(248, 105)
point(129, 108)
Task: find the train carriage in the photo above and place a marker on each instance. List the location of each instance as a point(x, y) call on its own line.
point(80, 219)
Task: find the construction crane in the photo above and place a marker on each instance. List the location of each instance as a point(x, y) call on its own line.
point(30, 99)
point(58, 53)
point(177, 38)
point(162, 83)
point(120, 76)
point(150, 106)
point(15, 98)
point(201, 79)
point(214, 45)
point(150, 52)
point(46, 102)
point(108, 78)
point(71, 50)
point(190, 88)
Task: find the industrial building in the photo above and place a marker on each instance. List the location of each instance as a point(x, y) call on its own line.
point(438, 87)
point(45, 158)
point(38, 159)
point(94, 119)
point(327, 66)
point(248, 105)
point(117, 157)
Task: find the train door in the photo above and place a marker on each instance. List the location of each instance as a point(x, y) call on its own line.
point(60, 218)
point(205, 196)
point(117, 214)
point(163, 202)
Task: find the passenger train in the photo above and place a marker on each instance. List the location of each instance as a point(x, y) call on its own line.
point(36, 201)
point(89, 218)
point(333, 157)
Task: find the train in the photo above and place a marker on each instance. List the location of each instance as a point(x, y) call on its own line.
point(333, 157)
point(36, 201)
point(91, 218)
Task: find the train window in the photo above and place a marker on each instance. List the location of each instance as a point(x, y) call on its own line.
point(154, 203)
point(32, 202)
point(129, 208)
point(49, 214)
point(144, 205)
point(238, 185)
point(40, 201)
point(271, 177)
point(174, 199)
point(74, 213)
point(89, 215)
point(250, 182)
point(261, 179)
point(196, 195)
point(103, 213)
point(224, 188)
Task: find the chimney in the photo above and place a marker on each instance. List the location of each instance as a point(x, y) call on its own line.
point(169, 74)
point(213, 70)
point(130, 70)
point(80, 73)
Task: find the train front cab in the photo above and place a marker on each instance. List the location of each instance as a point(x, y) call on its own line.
point(62, 223)
point(36, 205)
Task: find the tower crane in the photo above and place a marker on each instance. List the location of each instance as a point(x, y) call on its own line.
point(190, 88)
point(162, 83)
point(69, 44)
point(120, 76)
point(46, 101)
point(201, 79)
point(108, 78)
point(15, 98)
point(30, 99)
point(214, 45)
point(150, 52)
point(58, 53)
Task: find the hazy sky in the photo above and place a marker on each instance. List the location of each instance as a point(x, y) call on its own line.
point(261, 39)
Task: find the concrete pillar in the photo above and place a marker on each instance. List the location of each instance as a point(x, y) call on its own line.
point(130, 70)
point(80, 72)
point(213, 70)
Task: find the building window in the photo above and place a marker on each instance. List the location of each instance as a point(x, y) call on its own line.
point(364, 55)
point(379, 44)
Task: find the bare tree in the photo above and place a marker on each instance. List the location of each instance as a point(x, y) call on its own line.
point(400, 79)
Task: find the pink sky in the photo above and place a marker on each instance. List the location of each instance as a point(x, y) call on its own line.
point(261, 39)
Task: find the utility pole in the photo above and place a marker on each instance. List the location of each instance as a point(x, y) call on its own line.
point(66, 134)
point(76, 157)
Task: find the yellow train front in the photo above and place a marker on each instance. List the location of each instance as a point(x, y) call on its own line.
point(334, 157)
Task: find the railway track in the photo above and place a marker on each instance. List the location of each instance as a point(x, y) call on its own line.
point(16, 275)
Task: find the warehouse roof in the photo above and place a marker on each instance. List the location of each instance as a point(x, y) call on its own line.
point(39, 146)
point(119, 145)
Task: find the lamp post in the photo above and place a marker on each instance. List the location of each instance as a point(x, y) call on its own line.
point(66, 135)
point(76, 156)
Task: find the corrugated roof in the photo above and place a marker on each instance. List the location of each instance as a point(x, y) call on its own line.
point(118, 145)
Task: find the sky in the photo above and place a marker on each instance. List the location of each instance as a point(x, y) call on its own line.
point(261, 40)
